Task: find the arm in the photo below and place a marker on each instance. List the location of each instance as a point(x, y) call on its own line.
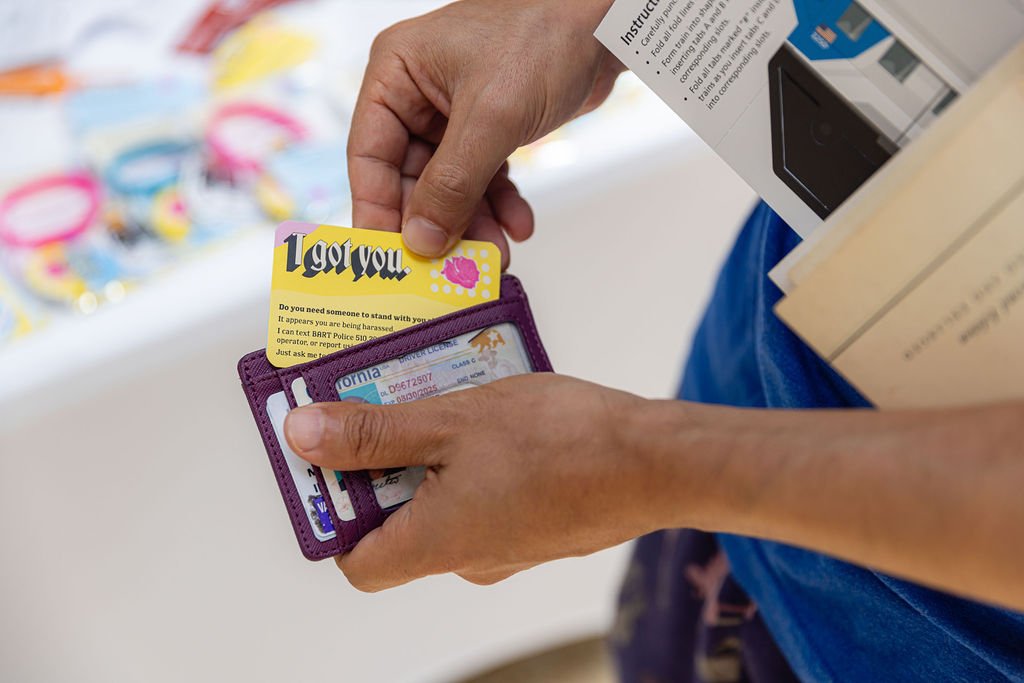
point(933, 496)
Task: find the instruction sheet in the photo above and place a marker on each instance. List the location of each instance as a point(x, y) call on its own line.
point(807, 99)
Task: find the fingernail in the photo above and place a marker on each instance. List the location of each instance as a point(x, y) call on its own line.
point(424, 237)
point(304, 428)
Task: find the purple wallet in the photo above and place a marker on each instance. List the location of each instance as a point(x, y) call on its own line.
point(331, 511)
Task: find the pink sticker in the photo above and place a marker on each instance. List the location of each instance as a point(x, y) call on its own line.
point(461, 271)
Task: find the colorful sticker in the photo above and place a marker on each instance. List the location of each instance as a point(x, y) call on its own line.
point(333, 287)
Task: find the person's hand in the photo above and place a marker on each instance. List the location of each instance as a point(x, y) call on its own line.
point(520, 471)
point(448, 96)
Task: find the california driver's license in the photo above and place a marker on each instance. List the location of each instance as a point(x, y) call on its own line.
point(465, 361)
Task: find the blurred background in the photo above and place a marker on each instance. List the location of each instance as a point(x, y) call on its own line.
point(148, 149)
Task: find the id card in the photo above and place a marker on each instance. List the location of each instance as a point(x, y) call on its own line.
point(334, 287)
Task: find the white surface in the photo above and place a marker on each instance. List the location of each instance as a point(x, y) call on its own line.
point(125, 338)
point(144, 538)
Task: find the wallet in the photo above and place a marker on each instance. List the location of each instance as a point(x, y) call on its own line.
point(330, 511)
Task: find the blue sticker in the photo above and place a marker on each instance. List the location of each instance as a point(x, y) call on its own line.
point(319, 514)
point(834, 29)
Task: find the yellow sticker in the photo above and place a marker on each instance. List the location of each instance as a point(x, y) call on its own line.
point(258, 50)
point(334, 287)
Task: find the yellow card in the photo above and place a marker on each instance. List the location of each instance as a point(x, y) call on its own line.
point(333, 287)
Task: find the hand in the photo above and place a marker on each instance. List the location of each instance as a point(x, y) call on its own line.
point(448, 96)
point(537, 467)
point(521, 471)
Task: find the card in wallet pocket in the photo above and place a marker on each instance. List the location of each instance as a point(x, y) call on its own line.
point(330, 511)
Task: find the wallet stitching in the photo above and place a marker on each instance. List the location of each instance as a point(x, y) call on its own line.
point(266, 429)
point(280, 467)
point(361, 511)
point(342, 526)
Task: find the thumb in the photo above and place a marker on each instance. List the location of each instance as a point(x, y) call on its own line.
point(448, 193)
point(348, 437)
point(401, 550)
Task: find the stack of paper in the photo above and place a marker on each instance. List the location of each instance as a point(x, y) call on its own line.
point(914, 289)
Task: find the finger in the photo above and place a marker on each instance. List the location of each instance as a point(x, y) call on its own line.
point(445, 199)
point(416, 159)
point(434, 129)
point(604, 83)
point(492, 576)
point(376, 148)
point(348, 436)
point(484, 226)
point(510, 209)
point(417, 156)
point(487, 229)
point(388, 108)
point(401, 550)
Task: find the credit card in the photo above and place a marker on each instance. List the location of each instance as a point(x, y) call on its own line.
point(333, 288)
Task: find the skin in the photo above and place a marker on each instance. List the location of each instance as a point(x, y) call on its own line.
point(932, 496)
point(436, 120)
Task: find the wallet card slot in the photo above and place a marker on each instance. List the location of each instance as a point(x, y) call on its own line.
point(260, 386)
point(511, 307)
point(348, 531)
point(369, 514)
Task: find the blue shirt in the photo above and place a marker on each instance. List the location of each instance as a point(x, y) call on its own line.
point(832, 620)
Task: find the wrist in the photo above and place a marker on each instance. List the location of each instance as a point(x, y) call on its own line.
point(692, 464)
